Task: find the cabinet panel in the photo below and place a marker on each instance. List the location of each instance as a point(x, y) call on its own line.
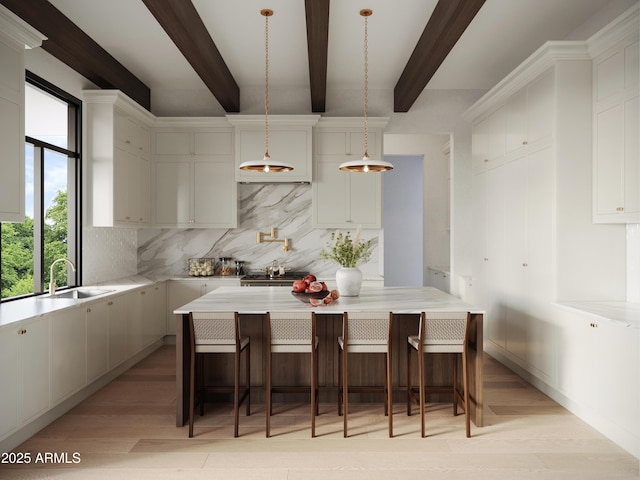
point(9, 379)
point(33, 372)
point(68, 353)
point(135, 336)
point(11, 131)
point(97, 319)
point(610, 159)
point(154, 304)
point(172, 193)
point(118, 320)
point(288, 145)
point(214, 200)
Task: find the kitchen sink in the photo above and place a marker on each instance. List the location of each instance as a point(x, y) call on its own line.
point(80, 293)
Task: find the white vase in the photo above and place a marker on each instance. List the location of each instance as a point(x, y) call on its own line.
point(349, 281)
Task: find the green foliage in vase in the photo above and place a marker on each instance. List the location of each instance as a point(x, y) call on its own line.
point(345, 251)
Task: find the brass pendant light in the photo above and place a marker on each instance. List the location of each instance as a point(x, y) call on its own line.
point(266, 165)
point(366, 164)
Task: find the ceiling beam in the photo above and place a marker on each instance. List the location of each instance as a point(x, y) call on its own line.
point(317, 12)
point(185, 27)
point(449, 20)
point(69, 44)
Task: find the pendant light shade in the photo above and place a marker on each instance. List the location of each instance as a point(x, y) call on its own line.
point(266, 165)
point(367, 164)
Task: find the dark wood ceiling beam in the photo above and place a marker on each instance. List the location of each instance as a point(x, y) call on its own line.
point(69, 44)
point(317, 13)
point(449, 20)
point(185, 27)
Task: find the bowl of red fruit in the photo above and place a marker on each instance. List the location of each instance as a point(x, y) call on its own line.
point(310, 290)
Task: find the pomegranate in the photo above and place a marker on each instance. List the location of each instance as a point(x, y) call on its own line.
point(315, 287)
point(299, 286)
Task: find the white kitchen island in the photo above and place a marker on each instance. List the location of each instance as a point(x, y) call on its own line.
point(405, 302)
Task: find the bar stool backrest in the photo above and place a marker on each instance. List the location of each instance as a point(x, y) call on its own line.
point(366, 328)
point(290, 328)
point(215, 331)
point(444, 331)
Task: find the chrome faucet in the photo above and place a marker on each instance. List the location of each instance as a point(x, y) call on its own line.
point(52, 282)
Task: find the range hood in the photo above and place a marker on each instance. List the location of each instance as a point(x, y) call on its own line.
point(290, 141)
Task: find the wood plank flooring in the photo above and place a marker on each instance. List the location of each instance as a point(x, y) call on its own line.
point(127, 431)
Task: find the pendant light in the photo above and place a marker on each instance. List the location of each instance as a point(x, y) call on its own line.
point(366, 164)
point(266, 165)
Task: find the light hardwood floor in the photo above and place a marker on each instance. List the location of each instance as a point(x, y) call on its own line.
point(127, 431)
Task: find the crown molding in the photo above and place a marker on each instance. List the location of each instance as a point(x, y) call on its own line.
point(19, 30)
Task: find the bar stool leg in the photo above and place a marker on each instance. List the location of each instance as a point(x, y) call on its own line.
point(345, 392)
point(422, 392)
point(268, 394)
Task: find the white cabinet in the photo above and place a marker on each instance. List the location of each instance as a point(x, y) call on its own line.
point(119, 319)
point(529, 114)
point(346, 199)
point(534, 205)
point(68, 361)
point(153, 316)
point(488, 141)
point(24, 372)
point(117, 150)
point(97, 325)
point(528, 260)
point(15, 35)
point(439, 278)
point(616, 159)
point(290, 141)
point(193, 176)
point(33, 368)
point(9, 379)
point(181, 292)
point(600, 366)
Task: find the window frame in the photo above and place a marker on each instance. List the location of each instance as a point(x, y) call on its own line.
point(74, 188)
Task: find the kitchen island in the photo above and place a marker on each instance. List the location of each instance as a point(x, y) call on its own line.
point(405, 302)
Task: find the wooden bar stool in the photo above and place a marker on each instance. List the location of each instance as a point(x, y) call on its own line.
point(218, 332)
point(440, 332)
point(292, 332)
point(365, 332)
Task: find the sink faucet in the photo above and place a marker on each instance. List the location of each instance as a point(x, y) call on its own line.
point(52, 282)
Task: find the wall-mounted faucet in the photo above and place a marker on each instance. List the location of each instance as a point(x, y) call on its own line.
point(260, 238)
point(52, 281)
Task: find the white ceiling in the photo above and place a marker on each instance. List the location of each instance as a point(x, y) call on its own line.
point(503, 34)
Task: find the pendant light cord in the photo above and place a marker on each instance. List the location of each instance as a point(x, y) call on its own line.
point(266, 84)
point(366, 85)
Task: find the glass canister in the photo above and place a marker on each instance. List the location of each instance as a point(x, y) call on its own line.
point(201, 267)
point(239, 268)
point(225, 266)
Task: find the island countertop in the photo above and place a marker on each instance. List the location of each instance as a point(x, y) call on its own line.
point(259, 300)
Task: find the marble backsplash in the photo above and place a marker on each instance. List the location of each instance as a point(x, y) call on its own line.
point(287, 207)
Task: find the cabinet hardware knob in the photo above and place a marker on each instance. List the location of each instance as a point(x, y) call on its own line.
point(525, 264)
point(593, 325)
point(22, 331)
point(525, 142)
point(486, 160)
point(109, 303)
point(142, 292)
point(620, 209)
point(128, 142)
point(486, 259)
point(88, 310)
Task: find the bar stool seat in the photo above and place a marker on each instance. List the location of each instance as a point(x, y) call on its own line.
point(212, 333)
point(365, 332)
point(440, 332)
point(291, 332)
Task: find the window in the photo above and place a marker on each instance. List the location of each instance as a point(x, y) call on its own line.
point(52, 226)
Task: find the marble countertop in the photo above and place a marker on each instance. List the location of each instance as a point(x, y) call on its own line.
point(259, 300)
point(25, 308)
point(625, 313)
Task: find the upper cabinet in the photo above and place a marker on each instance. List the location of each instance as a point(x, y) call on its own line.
point(616, 156)
point(15, 36)
point(290, 140)
point(117, 151)
point(193, 174)
point(346, 199)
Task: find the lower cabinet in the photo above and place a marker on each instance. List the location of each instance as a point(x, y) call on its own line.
point(33, 368)
point(68, 356)
point(181, 292)
point(97, 320)
point(45, 360)
point(600, 369)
